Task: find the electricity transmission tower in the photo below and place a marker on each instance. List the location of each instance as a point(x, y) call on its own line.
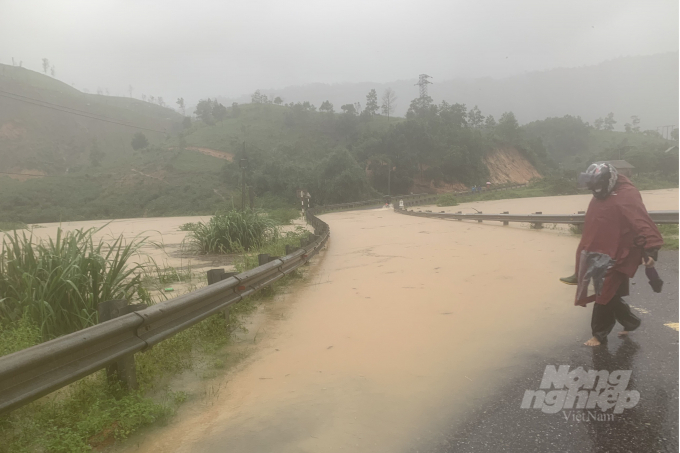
point(422, 83)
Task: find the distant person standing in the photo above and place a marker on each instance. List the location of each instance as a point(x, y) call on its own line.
point(488, 185)
point(401, 204)
point(608, 256)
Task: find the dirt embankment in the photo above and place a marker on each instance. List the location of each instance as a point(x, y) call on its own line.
point(508, 165)
point(11, 131)
point(212, 152)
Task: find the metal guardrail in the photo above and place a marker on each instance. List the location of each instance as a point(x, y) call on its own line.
point(420, 198)
point(354, 204)
point(39, 370)
point(659, 217)
point(536, 219)
point(409, 200)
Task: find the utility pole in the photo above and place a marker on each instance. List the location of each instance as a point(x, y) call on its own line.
point(389, 177)
point(243, 163)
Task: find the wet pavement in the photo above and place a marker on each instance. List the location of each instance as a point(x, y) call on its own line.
point(497, 423)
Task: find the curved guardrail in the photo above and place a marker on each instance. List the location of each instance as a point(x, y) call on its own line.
point(659, 217)
point(39, 370)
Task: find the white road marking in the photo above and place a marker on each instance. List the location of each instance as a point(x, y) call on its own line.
point(672, 325)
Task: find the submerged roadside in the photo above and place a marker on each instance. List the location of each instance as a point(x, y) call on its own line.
point(92, 413)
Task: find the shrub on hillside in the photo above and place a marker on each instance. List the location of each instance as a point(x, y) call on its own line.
point(139, 141)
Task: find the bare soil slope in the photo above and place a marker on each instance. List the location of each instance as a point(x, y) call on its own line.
point(508, 165)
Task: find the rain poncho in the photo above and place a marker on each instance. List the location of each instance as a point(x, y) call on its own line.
point(607, 256)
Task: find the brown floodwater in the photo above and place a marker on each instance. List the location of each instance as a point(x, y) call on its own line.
point(400, 324)
point(165, 247)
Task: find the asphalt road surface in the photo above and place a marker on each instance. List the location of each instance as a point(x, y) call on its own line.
point(498, 424)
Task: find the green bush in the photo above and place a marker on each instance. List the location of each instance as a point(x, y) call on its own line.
point(57, 284)
point(284, 216)
point(234, 231)
point(447, 199)
point(188, 226)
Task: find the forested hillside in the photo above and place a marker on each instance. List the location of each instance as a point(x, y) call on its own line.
point(337, 154)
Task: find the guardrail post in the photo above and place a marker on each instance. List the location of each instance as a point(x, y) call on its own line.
point(217, 275)
point(537, 225)
point(262, 258)
point(579, 226)
point(505, 222)
point(123, 370)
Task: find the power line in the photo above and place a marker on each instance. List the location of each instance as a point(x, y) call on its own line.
point(123, 178)
point(57, 105)
point(19, 174)
point(61, 108)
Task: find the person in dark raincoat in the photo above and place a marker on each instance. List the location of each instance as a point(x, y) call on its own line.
point(608, 256)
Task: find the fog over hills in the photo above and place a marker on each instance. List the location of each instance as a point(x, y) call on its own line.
point(646, 86)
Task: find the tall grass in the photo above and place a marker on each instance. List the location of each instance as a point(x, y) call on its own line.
point(233, 231)
point(57, 283)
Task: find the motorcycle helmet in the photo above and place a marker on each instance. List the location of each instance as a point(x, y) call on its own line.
point(600, 178)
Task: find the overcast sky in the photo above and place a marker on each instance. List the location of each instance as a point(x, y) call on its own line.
point(202, 48)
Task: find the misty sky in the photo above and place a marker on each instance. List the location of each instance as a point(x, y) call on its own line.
point(204, 48)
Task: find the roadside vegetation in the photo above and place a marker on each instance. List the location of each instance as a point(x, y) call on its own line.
point(57, 284)
point(544, 187)
point(447, 199)
point(233, 231)
point(69, 275)
point(670, 236)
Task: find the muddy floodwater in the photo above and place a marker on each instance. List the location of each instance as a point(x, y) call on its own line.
point(401, 324)
point(165, 246)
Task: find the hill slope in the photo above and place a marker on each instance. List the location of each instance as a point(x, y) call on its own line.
point(49, 126)
point(336, 157)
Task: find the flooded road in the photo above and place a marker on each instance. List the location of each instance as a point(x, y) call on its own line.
point(403, 324)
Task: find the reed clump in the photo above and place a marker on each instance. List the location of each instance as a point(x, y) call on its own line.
point(234, 231)
point(56, 284)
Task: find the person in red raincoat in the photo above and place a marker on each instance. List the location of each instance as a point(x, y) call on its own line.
point(608, 255)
